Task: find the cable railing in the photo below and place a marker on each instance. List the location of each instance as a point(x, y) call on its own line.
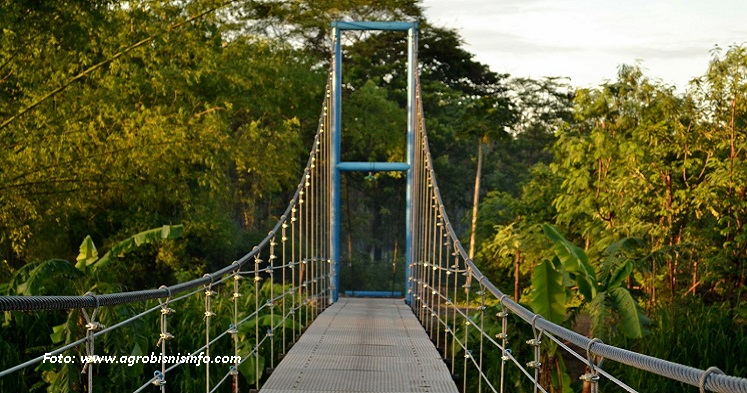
point(247, 326)
point(469, 319)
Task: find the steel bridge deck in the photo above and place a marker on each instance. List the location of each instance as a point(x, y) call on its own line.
point(362, 345)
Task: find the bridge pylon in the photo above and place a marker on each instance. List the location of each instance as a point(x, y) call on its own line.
point(338, 166)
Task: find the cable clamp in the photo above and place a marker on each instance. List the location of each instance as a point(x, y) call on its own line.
point(590, 355)
point(165, 304)
point(534, 364)
point(165, 336)
point(705, 375)
point(535, 342)
point(506, 355)
point(167, 310)
point(593, 378)
point(159, 381)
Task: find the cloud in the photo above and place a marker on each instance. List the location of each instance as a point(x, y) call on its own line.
point(587, 39)
point(672, 53)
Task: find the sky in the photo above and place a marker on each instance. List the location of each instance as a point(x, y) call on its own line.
point(587, 40)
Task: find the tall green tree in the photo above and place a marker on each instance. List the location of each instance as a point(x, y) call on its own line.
point(487, 119)
point(624, 161)
point(722, 192)
point(163, 133)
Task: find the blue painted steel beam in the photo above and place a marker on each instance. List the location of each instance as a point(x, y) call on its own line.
point(337, 166)
point(373, 166)
point(395, 26)
point(412, 126)
point(373, 293)
point(334, 160)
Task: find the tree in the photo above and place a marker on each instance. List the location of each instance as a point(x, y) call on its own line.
point(722, 192)
point(486, 118)
point(373, 131)
point(164, 133)
point(630, 148)
point(308, 23)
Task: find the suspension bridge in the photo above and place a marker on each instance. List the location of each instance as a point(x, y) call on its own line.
point(274, 320)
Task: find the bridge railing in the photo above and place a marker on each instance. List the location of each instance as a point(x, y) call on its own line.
point(244, 323)
point(471, 327)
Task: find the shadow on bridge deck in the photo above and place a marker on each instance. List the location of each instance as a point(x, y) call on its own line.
point(363, 345)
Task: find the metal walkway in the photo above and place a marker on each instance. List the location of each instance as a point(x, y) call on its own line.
point(363, 345)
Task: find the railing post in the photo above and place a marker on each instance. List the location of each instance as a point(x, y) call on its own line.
point(503, 336)
point(257, 280)
point(209, 293)
point(162, 338)
point(271, 271)
point(536, 343)
point(284, 239)
point(91, 327)
point(234, 328)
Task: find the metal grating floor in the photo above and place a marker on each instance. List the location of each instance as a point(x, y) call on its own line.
point(362, 345)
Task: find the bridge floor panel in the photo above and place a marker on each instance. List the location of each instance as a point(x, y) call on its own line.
point(362, 345)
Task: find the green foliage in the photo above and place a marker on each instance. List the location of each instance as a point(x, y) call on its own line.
point(714, 332)
point(39, 280)
point(88, 251)
point(60, 277)
point(363, 274)
point(574, 262)
point(160, 135)
point(373, 126)
point(548, 297)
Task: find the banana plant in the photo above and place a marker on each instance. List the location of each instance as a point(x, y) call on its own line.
point(61, 277)
point(569, 275)
point(568, 284)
